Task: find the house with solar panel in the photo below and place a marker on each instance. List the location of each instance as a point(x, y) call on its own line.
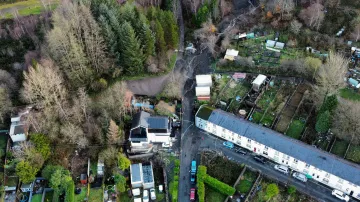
point(316, 164)
point(148, 130)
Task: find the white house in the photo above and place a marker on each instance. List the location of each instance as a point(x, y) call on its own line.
point(321, 166)
point(142, 175)
point(146, 130)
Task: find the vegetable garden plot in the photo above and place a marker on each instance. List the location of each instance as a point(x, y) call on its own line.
point(298, 123)
point(353, 153)
point(339, 147)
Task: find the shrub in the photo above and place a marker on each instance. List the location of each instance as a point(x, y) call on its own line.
point(291, 190)
point(42, 144)
point(177, 163)
point(329, 104)
point(174, 193)
point(272, 190)
point(220, 186)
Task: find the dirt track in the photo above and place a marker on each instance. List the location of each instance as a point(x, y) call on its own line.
point(148, 86)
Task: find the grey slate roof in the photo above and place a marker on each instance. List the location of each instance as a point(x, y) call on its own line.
point(145, 120)
point(294, 148)
point(19, 129)
point(135, 172)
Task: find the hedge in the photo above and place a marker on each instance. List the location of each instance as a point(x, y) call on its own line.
point(201, 174)
point(70, 190)
point(174, 193)
point(201, 191)
point(175, 185)
point(220, 186)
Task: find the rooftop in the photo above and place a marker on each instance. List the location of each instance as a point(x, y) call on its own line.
point(297, 149)
point(135, 172)
point(145, 120)
point(147, 173)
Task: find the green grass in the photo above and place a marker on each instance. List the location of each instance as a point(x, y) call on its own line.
point(339, 148)
point(267, 119)
point(244, 186)
point(30, 7)
point(349, 94)
point(124, 197)
point(96, 195)
point(257, 117)
point(213, 196)
point(354, 153)
point(49, 196)
point(36, 198)
point(80, 197)
point(295, 129)
point(266, 98)
point(3, 141)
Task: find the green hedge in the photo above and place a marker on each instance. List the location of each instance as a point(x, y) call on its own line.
point(220, 186)
point(70, 192)
point(201, 175)
point(175, 184)
point(201, 191)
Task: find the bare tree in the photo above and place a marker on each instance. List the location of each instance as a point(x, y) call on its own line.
point(313, 15)
point(346, 123)
point(174, 86)
point(43, 86)
point(330, 76)
point(207, 36)
point(295, 27)
point(72, 134)
point(284, 6)
point(113, 133)
point(332, 3)
point(355, 34)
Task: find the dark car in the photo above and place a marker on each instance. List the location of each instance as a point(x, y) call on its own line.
point(241, 151)
point(192, 178)
point(260, 159)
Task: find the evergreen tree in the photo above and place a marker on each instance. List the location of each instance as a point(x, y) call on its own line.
point(132, 55)
point(171, 35)
point(323, 123)
point(160, 40)
point(147, 38)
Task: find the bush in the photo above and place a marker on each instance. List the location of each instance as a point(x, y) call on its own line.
point(220, 186)
point(323, 122)
point(42, 144)
point(272, 190)
point(177, 163)
point(291, 190)
point(174, 193)
point(201, 191)
point(329, 104)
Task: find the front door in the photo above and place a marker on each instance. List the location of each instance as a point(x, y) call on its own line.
point(255, 149)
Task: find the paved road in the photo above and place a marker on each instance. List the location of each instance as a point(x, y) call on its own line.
point(310, 188)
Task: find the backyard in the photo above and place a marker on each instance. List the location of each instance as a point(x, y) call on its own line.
point(213, 195)
point(29, 7)
point(80, 197)
point(349, 94)
point(96, 195)
point(246, 182)
point(49, 196)
point(339, 147)
point(353, 153)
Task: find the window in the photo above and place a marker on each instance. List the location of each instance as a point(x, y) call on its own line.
point(340, 181)
point(266, 148)
point(326, 180)
point(265, 152)
point(327, 175)
point(295, 161)
point(307, 166)
point(249, 141)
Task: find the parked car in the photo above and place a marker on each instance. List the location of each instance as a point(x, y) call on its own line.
point(146, 196)
point(241, 151)
point(260, 159)
point(300, 176)
point(192, 178)
point(228, 144)
point(282, 169)
point(192, 194)
point(152, 194)
point(136, 192)
point(340, 195)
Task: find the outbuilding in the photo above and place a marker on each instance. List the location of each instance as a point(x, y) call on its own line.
point(203, 80)
point(231, 54)
point(202, 91)
point(260, 79)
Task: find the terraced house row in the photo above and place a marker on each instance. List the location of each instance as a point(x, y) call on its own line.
point(321, 166)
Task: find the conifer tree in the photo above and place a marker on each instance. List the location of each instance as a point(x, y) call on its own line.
point(131, 52)
point(171, 35)
point(160, 40)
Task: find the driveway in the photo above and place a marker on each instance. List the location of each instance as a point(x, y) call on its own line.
point(311, 188)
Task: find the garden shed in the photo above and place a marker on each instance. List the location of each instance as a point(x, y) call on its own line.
point(231, 54)
point(203, 80)
point(260, 79)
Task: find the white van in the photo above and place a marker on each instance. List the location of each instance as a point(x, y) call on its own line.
point(300, 176)
point(136, 192)
point(282, 169)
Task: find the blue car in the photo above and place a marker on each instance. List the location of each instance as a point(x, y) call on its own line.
point(228, 144)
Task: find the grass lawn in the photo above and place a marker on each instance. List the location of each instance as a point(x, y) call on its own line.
point(80, 197)
point(124, 198)
point(96, 195)
point(339, 148)
point(213, 196)
point(266, 98)
point(25, 8)
point(349, 94)
point(256, 117)
point(244, 186)
point(36, 198)
point(49, 196)
point(354, 153)
point(235, 89)
point(295, 129)
point(267, 119)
